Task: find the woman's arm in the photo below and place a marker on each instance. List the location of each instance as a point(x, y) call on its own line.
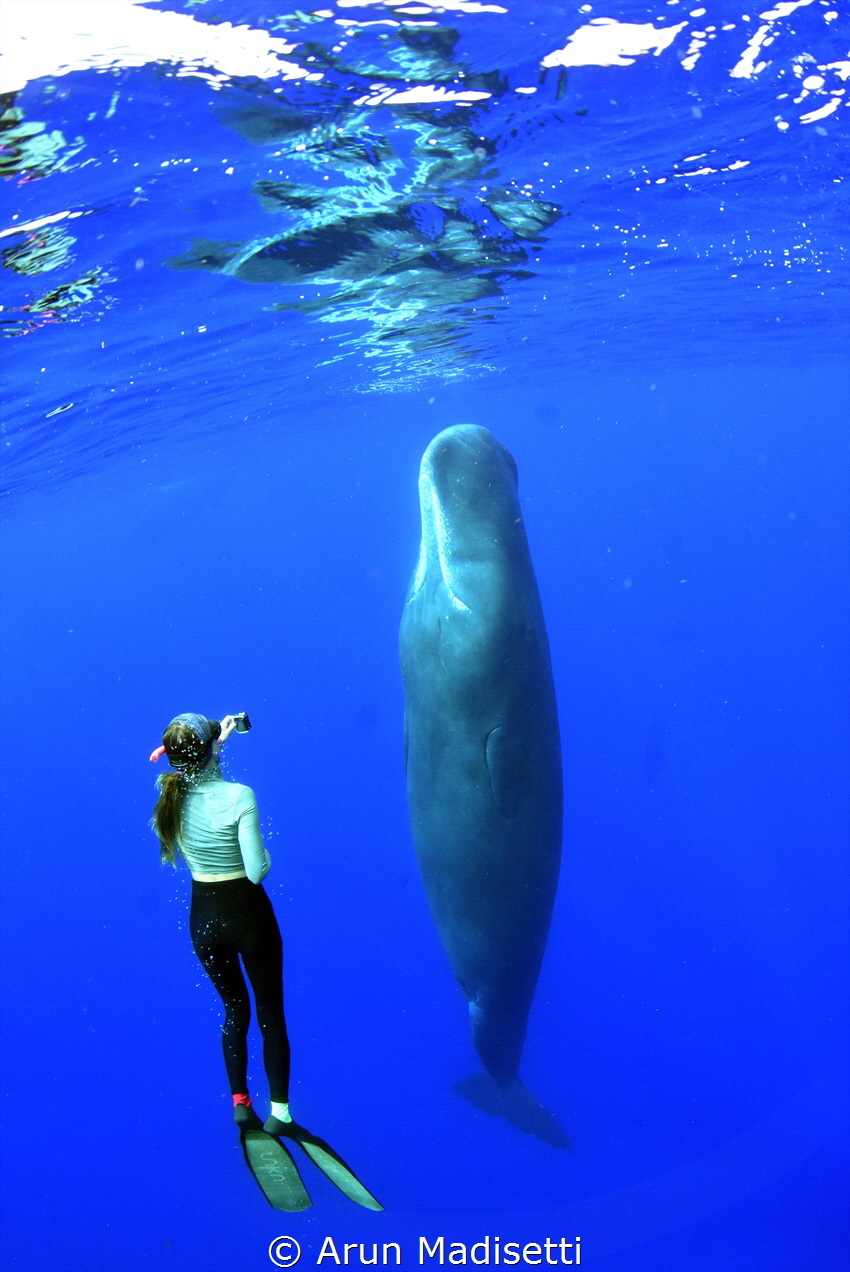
point(256, 859)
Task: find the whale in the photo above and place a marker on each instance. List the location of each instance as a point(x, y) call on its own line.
point(483, 754)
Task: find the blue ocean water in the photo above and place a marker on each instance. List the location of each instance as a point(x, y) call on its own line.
point(240, 302)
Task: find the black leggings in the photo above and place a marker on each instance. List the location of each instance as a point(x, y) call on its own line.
point(228, 919)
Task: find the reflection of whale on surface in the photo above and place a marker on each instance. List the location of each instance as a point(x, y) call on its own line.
point(483, 752)
point(344, 240)
point(407, 240)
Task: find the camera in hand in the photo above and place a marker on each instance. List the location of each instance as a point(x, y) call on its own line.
point(243, 724)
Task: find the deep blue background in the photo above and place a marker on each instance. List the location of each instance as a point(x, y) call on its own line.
point(692, 990)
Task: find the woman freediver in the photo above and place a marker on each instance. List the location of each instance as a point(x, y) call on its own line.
point(213, 824)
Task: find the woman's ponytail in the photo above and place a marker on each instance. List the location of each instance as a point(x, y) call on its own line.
point(167, 814)
point(188, 755)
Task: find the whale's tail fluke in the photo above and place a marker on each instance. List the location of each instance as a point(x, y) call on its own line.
point(515, 1104)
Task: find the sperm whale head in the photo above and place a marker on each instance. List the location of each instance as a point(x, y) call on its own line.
point(468, 504)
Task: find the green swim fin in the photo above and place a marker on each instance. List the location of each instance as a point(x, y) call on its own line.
point(272, 1167)
point(328, 1162)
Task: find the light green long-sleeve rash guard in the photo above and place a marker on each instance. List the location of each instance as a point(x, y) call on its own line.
point(220, 828)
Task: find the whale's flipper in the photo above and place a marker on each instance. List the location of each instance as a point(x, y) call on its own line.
point(515, 1104)
point(273, 1168)
point(328, 1162)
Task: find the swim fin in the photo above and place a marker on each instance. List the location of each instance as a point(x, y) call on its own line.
point(328, 1162)
point(272, 1167)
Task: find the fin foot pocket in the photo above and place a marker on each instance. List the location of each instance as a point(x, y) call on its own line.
point(328, 1162)
point(515, 1104)
point(274, 1170)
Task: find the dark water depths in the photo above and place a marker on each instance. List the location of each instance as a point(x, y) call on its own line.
point(226, 519)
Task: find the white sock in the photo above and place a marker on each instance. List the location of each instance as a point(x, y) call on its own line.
point(281, 1112)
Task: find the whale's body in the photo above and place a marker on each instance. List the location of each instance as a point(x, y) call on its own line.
point(483, 752)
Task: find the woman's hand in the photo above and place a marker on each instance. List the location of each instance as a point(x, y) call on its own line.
point(228, 724)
